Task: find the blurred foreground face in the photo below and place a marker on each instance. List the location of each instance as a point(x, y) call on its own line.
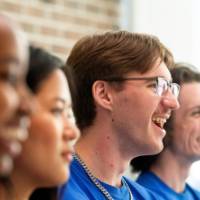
point(14, 96)
point(186, 134)
point(47, 152)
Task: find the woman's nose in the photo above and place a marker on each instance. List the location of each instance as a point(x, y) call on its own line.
point(71, 132)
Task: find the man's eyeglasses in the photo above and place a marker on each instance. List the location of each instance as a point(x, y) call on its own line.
point(161, 84)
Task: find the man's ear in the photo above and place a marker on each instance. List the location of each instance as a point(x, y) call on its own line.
point(102, 94)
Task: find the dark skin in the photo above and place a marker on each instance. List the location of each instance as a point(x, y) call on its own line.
point(14, 95)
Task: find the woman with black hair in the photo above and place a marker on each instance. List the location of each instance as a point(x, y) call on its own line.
point(47, 152)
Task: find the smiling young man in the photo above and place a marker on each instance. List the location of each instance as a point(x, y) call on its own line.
point(124, 97)
point(165, 174)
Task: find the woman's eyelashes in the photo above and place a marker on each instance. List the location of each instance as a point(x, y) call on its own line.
point(63, 111)
point(57, 111)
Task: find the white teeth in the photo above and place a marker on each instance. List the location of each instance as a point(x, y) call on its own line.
point(160, 121)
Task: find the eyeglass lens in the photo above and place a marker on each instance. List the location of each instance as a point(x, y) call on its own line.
point(163, 85)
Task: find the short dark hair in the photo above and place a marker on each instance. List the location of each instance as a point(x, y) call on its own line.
point(182, 73)
point(101, 56)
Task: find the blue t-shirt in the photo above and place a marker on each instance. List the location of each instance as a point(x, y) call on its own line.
point(80, 187)
point(164, 192)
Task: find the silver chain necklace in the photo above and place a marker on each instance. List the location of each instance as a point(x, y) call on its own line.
point(97, 182)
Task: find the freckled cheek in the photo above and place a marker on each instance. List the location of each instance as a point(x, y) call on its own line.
point(143, 101)
point(142, 107)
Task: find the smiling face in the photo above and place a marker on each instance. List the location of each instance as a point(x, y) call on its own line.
point(13, 67)
point(186, 123)
point(14, 96)
point(48, 150)
point(139, 113)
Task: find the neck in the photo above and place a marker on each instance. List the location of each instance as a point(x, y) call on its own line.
point(174, 176)
point(22, 187)
point(10, 191)
point(4, 189)
point(98, 151)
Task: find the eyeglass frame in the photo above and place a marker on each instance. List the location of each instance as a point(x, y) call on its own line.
point(170, 84)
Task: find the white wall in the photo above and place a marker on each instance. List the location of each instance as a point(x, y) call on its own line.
point(175, 22)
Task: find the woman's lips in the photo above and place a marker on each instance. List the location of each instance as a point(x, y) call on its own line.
point(67, 156)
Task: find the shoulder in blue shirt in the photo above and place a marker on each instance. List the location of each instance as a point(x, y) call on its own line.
point(80, 187)
point(156, 185)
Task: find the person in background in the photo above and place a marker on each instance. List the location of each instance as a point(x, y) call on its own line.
point(124, 97)
point(165, 174)
point(47, 152)
point(15, 98)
